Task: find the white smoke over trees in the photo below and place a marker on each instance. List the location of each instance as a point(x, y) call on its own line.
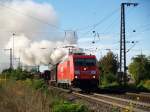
point(35, 27)
point(35, 53)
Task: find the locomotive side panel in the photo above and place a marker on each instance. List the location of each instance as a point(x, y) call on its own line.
point(71, 68)
point(64, 72)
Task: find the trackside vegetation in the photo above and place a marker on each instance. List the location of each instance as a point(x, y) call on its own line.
point(108, 66)
point(138, 72)
point(139, 69)
point(20, 92)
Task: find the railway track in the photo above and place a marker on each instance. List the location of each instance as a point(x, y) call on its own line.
point(110, 102)
point(142, 97)
point(138, 97)
point(143, 93)
point(125, 103)
point(122, 104)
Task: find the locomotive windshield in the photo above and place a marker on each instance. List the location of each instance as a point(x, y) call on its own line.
point(85, 62)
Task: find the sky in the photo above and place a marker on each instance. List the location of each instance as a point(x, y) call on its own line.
point(81, 15)
point(103, 17)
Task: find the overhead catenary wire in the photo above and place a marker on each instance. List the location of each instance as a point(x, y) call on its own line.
point(95, 33)
point(91, 27)
point(132, 41)
point(141, 29)
point(102, 20)
point(118, 33)
point(109, 27)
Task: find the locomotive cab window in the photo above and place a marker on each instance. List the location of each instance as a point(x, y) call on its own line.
point(85, 62)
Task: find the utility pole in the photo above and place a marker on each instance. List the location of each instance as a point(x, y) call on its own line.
point(11, 64)
point(19, 63)
point(122, 66)
point(38, 68)
point(13, 48)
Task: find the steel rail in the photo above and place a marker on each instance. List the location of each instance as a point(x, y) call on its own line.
point(110, 102)
point(125, 100)
point(122, 104)
point(139, 95)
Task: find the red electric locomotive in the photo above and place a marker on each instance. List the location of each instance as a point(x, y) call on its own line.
point(78, 71)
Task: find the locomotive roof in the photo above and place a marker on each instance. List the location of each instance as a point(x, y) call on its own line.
point(83, 56)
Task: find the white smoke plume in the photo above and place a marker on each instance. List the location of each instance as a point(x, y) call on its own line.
point(27, 17)
point(36, 37)
point(35, 53)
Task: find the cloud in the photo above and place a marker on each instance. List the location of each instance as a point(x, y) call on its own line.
point(35, 27)
point(26, 17)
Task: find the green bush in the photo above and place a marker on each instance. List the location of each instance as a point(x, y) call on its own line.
point(145, 84)
point(111, 78)
point(24, 93)
point(6, 73)
point(108, 79)
point(25, 77)
point(139, 68)
point(70, 107)
point(17, 74)
point(28, 82)
point(36, 84)
point(39, 84)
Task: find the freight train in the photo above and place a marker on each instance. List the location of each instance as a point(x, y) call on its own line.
point(78, 70)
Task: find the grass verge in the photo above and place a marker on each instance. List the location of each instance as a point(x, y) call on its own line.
point(33, 96)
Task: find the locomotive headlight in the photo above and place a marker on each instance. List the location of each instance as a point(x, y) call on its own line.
point(93, 72)
point(84, 69)
point(76, 77)
point(94, 76)
point(77, 72)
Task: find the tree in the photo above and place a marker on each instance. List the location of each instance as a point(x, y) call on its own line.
point(17, 74)
point(139, 68)
point(108, 66)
